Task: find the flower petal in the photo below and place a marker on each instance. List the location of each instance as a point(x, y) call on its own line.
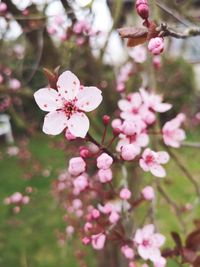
point(68, 85)
point(158, 171)
point(48, 99)
point(89, 98)
point(55, 122)
point(78, 124)
point(162, 157)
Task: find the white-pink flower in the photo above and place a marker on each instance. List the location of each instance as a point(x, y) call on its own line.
point(151, 161)
point(154, 102)
point(172, 134)
point(98, 241)
point(148, 243)
point(68, 105)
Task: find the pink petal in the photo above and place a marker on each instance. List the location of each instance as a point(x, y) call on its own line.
point(124, 105)
point(158, 171)
point(78, 124)
point(55, 122)
point(158, 240)
point(68, 85)
point(162, 107)
point(138, 236)
point(162, 157)
point(143, 252)
point(89, 98)
point(154, 254)
point(147, 231)
point(143, 165)
point(48, 99)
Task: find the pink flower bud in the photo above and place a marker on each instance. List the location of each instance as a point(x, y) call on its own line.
point(80, 183)
point(95, 214)
point(16, 197)
point(114, 217)
point(142, 8)
point(129, 152)
point(98, 241)
point(84, 152)
point(125, 194)
point(116, 131)
point(132, 264)
point(156, 45)
point(104, 161)
point(87, 227)
point(3, 7)
point(105, 176)
point(25, 200)
point(86, 241)
point(14, 84)
point(16, 209)
point(106, 119)
point(116, 123)
point(130, 127)
point(148, 193)
point(76, 166)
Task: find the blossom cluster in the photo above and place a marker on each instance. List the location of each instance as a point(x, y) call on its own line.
point(81, 30)
point(89, 180)
point(17, 200)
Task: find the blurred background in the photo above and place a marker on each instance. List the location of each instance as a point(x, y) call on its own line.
point(81, 36)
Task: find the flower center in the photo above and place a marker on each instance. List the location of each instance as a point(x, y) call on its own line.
point(70, 107)
point(145, 243)
point(150, 159)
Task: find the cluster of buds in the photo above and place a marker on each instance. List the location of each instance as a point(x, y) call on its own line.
point(156, 43)
point(17, 200)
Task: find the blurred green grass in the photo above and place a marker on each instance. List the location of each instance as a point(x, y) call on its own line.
point(28, 239)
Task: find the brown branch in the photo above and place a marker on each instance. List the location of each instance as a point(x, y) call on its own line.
point(166, 31)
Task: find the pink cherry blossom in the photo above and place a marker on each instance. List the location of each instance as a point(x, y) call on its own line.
point(105, 176)
point(151, 161)
point(148, 243)
point(154, 101)
point(125, 194)
point(80, 183)
point(66, 106)
point(129, 152)
point(114, 217)
point(156, 45)
point(76, 166)
point(172, 134)
point(98, 241)
point(148, 193)
point(104, 161)
point(14, 84)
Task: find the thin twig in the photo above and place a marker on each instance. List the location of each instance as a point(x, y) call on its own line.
point(166, 31)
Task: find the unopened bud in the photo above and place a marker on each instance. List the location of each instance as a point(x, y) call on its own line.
point(142, 8)
point(106, 119)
